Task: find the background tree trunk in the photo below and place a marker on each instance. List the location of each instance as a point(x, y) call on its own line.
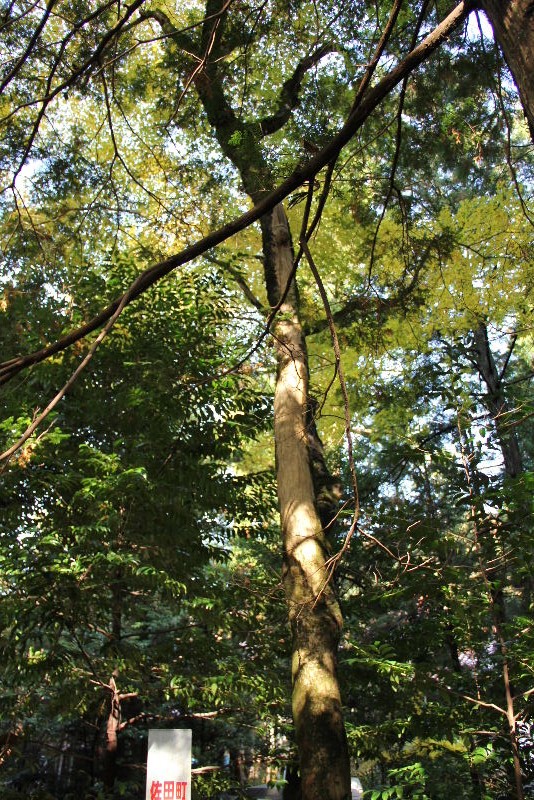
point(513, 26)
point(112, 738)
point(495, 402)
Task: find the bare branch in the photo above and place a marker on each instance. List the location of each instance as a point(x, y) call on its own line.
point(508, 357)
point(5, 456)
point(94, 58)
point(241, 282)
point(364, 83)
point(364, 304)
point(474, 700)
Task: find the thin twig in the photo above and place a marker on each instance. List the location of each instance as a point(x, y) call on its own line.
point(62, 392)
point(346, 406)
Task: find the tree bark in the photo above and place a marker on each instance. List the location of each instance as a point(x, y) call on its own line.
point(513, 25)
point(112, 738)
point(495, 402)
point(114, 716)
point(304, 484)
point(314, 612)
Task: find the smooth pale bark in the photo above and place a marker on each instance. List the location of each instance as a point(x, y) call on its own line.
point(314, 613)
point(513, 25)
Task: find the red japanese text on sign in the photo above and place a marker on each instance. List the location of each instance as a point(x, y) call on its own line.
point(168, 790)
point(169, 765)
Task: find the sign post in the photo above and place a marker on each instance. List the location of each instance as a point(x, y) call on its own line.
point(168, 769)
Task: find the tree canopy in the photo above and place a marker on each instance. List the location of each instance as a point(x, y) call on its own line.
point(214, 215)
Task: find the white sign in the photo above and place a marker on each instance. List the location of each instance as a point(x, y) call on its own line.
point(168, 769)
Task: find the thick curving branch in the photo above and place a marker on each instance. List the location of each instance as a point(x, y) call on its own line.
point(289, 95)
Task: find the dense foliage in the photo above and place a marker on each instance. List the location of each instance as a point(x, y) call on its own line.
point(139, 558)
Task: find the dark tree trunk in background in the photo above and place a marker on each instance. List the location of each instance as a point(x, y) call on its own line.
point(513, 26)
point(495, 402)
point(112, 736)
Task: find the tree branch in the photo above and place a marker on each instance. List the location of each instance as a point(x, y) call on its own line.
point(508, 357)
point(398, 142)
point(304, 173)
point(241, 282)
point(332, 562)
point(289, 94)
point(5, 456)
point(147, 717)
point(474, 700)
point(31, 44)
point(365, 304)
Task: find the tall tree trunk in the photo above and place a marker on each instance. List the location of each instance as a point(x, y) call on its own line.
point(513, 26)
point(304, 484)
point(495, 599)
point(314, 613)
point(495, 402)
